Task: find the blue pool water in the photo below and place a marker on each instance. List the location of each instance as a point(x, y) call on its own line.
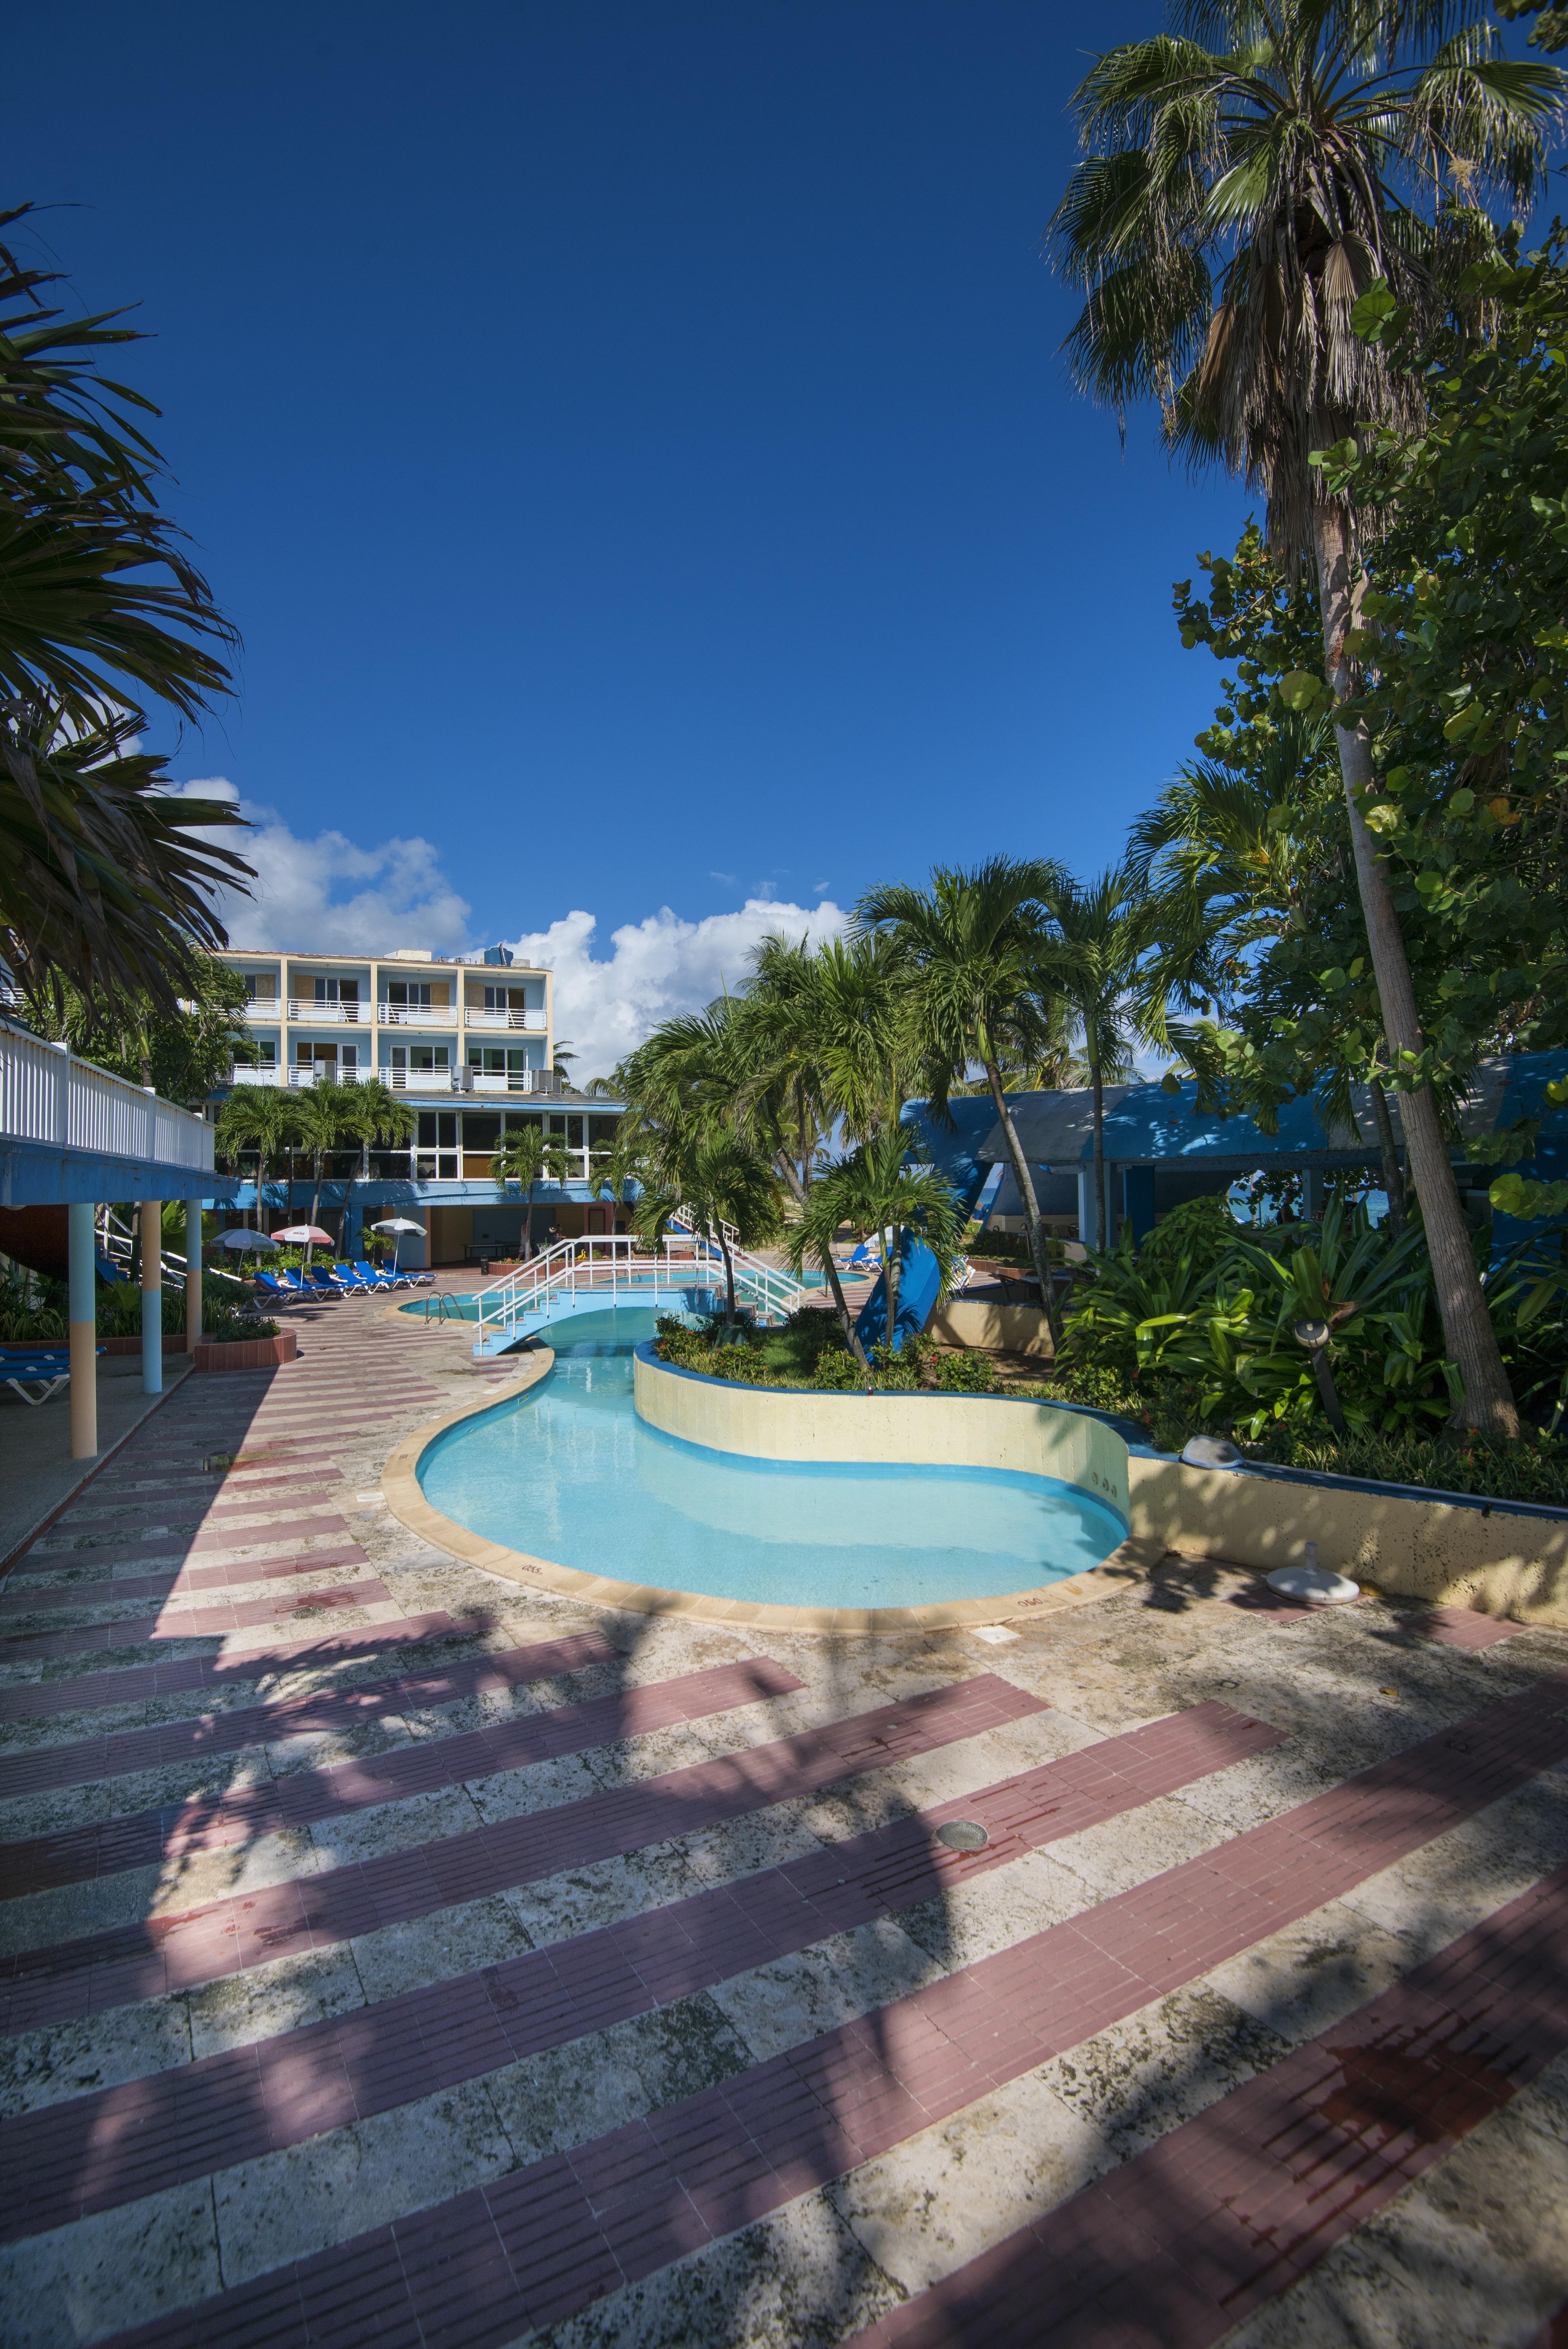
point(569, 1472)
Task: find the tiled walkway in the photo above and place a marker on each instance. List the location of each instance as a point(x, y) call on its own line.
point(393, 1955)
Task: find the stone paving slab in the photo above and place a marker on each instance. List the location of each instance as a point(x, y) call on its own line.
point(766, 2062)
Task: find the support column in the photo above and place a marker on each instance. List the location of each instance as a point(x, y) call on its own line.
point(1088, 1208)
point(1137, 1201)
point(81, 1278)
point(151, 1297)
point(1315, 1192)
point(192, 1275)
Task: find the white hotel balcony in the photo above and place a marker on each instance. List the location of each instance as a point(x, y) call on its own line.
point(332, 1015)
point(414, 1015)
point(534, 1020)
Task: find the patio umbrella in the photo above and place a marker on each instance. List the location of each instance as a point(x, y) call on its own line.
point(307, 1235)
point(240, 1239)
point(397, 1225)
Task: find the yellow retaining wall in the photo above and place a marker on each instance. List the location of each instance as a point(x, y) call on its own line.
point(1498, 1560)
point(997, 1328)
point(954, 1431)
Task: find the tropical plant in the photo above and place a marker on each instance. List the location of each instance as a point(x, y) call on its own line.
point(813, 1234)
point(1234, 204)
point(184, 1051)
point(260, 1118)
point(971, 946)
point(379, 1116)
point(529, 1156)
point(328, 1117)
point(877, 1189)
point(100, 609)
point(1099, 965)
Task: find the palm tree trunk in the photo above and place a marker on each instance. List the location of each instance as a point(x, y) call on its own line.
point(315, 1202)
point(851, 1335)
point(1486, 1399)
point(1027, 1194)
point(891, 1244)
point(1393, 1172)
point(729, 1272)
point(1102, 1192)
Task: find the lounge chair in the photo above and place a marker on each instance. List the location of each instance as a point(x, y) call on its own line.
point(271, 1285)
point(49, 1367)
point(319, 1282)
point(370, 1276)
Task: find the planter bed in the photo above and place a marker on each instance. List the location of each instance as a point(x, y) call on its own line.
point(173, 1343)
point(249, 1353)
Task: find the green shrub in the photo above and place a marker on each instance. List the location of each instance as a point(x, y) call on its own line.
point(34, 1315)
point(226, 1325)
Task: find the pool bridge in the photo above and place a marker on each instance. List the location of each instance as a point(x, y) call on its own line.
point(684, 1274)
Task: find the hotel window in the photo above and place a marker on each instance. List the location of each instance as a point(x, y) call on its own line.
point(500, 1061)
point(410, 994)
point(344, 992)
point(267, 1055)
point(435, 1157)
point(415, 1065)
point(260, 987)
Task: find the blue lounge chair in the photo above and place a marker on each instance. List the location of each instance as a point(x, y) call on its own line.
point(371, 1276)
point(49, 1367)
point(271, 1285)
point(319, 1282)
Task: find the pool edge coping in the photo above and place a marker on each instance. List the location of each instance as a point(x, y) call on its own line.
point(1131, 1562)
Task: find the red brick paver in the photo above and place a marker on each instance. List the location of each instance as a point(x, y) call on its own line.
point(1184, 2240)
point(302, 1797)
point(195, 1622)
point(97, 2151)
point(546, 2241)
point(138, 1962)
point(163, 1742)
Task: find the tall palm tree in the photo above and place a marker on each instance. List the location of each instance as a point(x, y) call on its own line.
point(1249, 176)
point(100, 611)
point(529, 1156)
point(1229, 855)
point(971, 946)
point(717, 1182)
point(877, 1190)
point(377, 1116)
point(258, 1118)
point(328, 1117)
point(813, 1234)
point(1097, 964)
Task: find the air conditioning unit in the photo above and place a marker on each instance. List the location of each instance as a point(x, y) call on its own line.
point(462, 1081)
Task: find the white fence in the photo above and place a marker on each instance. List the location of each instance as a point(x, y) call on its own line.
point(47, 1096)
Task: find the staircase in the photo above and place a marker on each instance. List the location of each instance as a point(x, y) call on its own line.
point(684, 1274)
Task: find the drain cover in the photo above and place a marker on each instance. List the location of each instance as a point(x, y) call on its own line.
point(963, 1835)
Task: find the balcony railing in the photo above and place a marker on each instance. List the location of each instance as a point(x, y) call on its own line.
point(532, 1021)
point(264, 1006)
point(417, 1014)
point(47, 1095)
point(315, 1013)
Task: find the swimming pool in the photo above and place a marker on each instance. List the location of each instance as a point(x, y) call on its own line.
point(569, 1472)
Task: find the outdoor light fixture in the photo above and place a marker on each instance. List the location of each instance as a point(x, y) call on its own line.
point(1314, 1336)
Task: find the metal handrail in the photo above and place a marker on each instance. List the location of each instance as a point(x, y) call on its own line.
point(614, 1262)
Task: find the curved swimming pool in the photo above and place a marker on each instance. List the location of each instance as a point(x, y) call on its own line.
point(567, 1472)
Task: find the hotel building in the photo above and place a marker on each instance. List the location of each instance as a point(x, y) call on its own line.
point(469, 1041)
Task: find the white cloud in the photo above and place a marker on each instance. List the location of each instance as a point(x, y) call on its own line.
point(657, 969)
point(328, 895)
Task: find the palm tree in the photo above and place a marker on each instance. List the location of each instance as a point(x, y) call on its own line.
point(528, 1155)
point(327, 1116)
point(877, 1190)
point(101, 881)
point(972, 947)
point(717, 1184)
point(376, 1115)
point(812, 1234)
point(1229, 855)
point(1095, 964)
point(1235, 202)
point(258, 1118)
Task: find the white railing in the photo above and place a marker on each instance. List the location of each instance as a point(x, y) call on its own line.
point(533, 1020)
point(264, 1006)
point(313, 1013)
point(241, 1074)
point(47, 1095)
point(417, 1014)
point(515, 1080)
point(621, 1267)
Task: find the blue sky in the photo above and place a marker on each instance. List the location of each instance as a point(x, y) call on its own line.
point(632, 442)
